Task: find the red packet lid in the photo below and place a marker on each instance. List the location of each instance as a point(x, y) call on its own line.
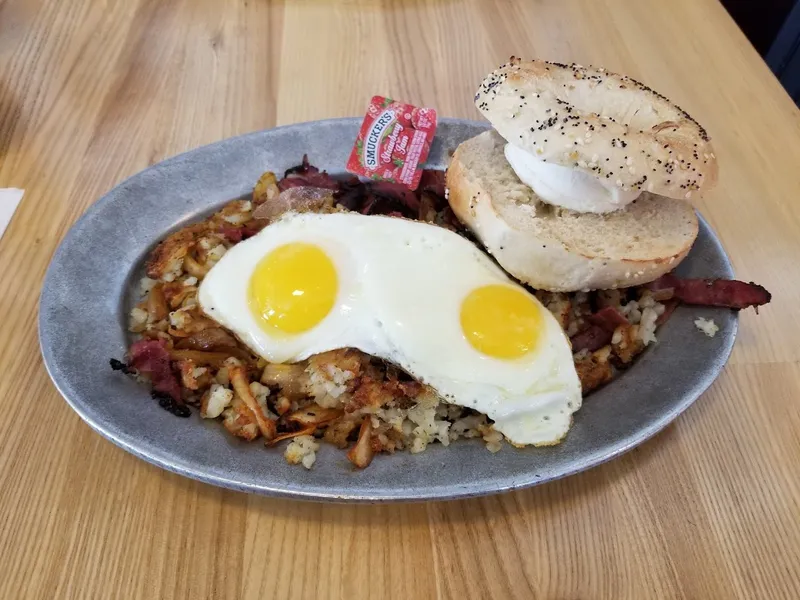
point(393, 142)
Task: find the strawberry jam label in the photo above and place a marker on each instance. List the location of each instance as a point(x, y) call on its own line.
point(393, 142)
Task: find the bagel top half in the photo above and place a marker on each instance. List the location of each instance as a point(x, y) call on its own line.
point(607, 125)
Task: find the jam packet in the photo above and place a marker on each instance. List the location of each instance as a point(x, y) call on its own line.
point(393, 142)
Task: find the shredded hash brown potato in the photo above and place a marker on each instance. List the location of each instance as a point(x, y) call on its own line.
point(343, 397)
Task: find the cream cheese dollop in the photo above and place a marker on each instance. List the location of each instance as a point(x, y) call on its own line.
point(567, 187)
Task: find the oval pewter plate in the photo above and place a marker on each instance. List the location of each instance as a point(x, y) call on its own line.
point(89, 286)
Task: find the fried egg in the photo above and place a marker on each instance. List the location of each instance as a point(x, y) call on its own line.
point(414, 294)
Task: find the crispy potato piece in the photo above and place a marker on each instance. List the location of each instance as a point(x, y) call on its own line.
point(558, 304)
point(175, 293)
point(282, 405)
point(234, 213)
point(138, 318)
point(361, 454)
point(290, 378)
point(337, 432)
point(206, 245)
point(200, 323)
point(186, 322)
point(211, 339)
point(314, 414)
point(157, 303)
point(167, 258)
point(205, 379)
point(562, 311)
point(240, 420)
point(370, 392)
point(188, 379)
point(266, 188)
point(378, 444)
point(214, 401)
point(344, 359)
point(291, 434)
point(393, 441)
point(206, 359)
point(194, 268)
point(241, 386)
point(595, 370)
point(156, 334)
point(376, 393)
point(626, 344)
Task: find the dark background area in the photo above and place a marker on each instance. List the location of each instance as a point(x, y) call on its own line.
point(759, 19)
point(773, 27)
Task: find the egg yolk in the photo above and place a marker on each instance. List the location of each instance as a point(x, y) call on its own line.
point(501, 321)
point(292, 288)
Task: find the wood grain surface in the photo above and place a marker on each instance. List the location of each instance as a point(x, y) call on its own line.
point(94, 91)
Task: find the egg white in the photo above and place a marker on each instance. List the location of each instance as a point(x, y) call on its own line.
point(223, 296)
point(401, 285)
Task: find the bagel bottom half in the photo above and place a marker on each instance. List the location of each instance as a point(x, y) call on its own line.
point(555, 249)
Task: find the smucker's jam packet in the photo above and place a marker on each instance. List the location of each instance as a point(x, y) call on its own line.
point(393, 142)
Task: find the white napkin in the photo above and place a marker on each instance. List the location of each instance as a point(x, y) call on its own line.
point(9, 200)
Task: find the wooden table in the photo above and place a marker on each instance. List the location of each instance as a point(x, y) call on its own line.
point(91, 92)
